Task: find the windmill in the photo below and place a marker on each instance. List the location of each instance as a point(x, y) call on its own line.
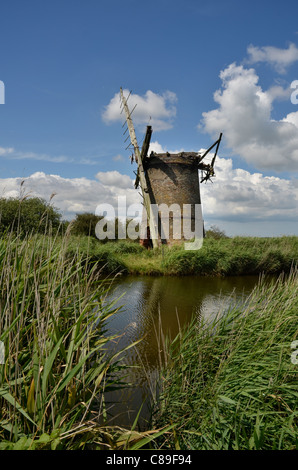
point(166, 178)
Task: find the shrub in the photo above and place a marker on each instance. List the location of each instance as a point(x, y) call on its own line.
point(84, 224)
point(28, 215)
point(215, 232)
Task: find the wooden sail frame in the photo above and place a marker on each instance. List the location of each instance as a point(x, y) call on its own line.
point(141, 175)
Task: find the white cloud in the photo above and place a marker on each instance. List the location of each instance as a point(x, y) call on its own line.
point(114, 179)
point(238, 195)
point(244, 117)
point(156, 147)
point(280, 59)
point(152, 109)
point(6, 151)
point(292, 118)
point(14, 154)
point(118, 158)
point(73, 194)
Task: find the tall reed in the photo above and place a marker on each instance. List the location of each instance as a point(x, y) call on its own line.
point(231, 383)
point(52, 325)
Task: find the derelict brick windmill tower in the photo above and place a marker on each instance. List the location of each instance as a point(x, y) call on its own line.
point(170, 180)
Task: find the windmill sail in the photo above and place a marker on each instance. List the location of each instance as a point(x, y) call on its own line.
point(141, 176)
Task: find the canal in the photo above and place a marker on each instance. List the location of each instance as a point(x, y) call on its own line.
point(153, 307)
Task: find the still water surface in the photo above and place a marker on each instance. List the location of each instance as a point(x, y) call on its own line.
point(148, 302)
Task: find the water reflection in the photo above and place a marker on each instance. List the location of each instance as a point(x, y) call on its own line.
point(171, 301)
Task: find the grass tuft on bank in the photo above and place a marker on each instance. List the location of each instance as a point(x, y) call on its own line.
point(218, 257)
point(232, 384)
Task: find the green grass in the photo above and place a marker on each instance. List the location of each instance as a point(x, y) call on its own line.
point(231, 384)
point(222, 257)
point(57, 366)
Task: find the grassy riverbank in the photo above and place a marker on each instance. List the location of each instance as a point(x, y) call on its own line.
point(232, 384)
point(56, 365)
point(222, 257)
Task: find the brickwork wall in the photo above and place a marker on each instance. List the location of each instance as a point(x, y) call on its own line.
point(173, 179)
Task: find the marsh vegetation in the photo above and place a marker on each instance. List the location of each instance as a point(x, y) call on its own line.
point(225, 384)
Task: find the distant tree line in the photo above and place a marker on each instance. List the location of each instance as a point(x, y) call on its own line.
point(34, 215)
point(85, 224)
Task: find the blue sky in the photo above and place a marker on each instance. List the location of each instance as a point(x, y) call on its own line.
point(196, 68)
